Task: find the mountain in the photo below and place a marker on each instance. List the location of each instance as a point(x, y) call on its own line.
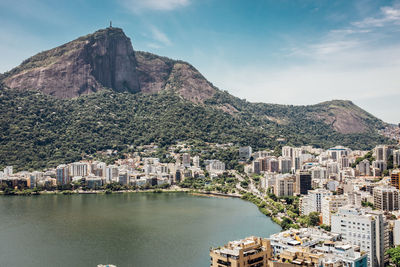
point(106, 59)
point(97, 93)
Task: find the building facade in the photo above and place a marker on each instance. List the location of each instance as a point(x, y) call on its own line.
point(303, 182)
point(366, 229)
point(251, 251)
point(386, 198)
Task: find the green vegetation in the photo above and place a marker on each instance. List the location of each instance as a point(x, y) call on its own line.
point(311, 219)
point(224, 183)
point(367, 156)
point(272, 205)
point(326, 227)
point(38, 131)
point(394, 254)
point(367, 204)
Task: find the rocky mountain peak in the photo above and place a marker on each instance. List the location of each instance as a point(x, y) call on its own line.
point(106, 59)
point(85, 65)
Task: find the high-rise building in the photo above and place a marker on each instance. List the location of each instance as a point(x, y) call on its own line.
point(123, 178)
point(396, 158)
point(380, 164)
point(313, 201)
point(78, 169)
point(186, 160)
point(344, 162)
point(285, 164)
point(303, 182)
point(215, 166)
point(284, 186)
point(316, 197)
point(319, 173)
point(287, 152)
point(364, 228)
point(382, 152)
point(335, 153)
point(395, 179)
point(62, 175)
point(331, 204)
point(196, 161)
point(245, 153)
point(112, 173)
point(364, 167)
point(296, 163)
point(386, 198)
point(332, 168)
point(8, 171)
point(257, 166)
point(98, 169)
point(251, 251)
point(264, 163)
point(273, 165)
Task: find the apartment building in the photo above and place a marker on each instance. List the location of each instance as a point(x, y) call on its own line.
point(251, 251)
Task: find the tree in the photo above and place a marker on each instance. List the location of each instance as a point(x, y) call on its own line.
point(394, 254)
point(326, 227)
point(314, 218)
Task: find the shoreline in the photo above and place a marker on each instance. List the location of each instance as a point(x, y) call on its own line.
point(105, 192)
point(199, 193)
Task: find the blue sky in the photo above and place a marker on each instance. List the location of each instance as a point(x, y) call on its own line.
point(288, 52)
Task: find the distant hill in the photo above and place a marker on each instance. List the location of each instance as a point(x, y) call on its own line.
point(96, 93)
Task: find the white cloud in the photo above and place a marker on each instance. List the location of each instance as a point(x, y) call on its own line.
point(159, 36)
point(138, 5)
point(331, 78)
point(345, 64)
point(388, 15)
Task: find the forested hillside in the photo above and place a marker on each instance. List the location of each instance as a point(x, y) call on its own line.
point(39, 131)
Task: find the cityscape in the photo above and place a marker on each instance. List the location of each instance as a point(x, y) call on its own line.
point(336, 207)
point(193, 133)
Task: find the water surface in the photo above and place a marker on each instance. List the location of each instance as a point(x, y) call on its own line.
point(139, 229)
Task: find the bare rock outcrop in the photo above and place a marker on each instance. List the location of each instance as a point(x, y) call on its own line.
point(85, 65)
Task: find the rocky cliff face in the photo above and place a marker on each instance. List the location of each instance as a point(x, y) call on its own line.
point(106, 59)
point(85, 65)
point(160, 73)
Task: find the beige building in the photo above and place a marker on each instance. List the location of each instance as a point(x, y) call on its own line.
point(386, 198)
point(251, 251)
point(331, 204)
point(284, 186)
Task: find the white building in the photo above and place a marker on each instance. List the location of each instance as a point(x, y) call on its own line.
point(8, 171)
point(382, 152)
point(112, 174)
point(364, 167)
point(318, 173)
point(312, 202)
point(78, 169)
point(332, 168)
point(196, 161)
point(215, 166)
point(380, 164)
point(364, 228)
point(285, 164)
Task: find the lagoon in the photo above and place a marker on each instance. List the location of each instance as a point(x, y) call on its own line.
point(132, 229)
